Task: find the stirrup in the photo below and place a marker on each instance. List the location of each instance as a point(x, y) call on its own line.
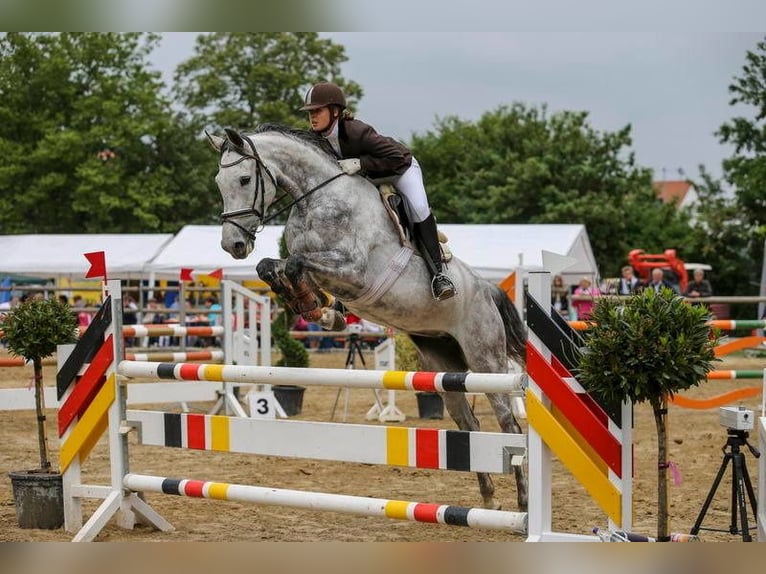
point(442, 287)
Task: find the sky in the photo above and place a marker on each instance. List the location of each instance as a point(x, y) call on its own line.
point(671, 86)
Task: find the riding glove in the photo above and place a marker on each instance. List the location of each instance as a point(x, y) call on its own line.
point(350, 166)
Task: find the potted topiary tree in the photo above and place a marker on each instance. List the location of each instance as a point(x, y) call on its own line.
point(32, 330)
point(430, 404)
point(647, 348)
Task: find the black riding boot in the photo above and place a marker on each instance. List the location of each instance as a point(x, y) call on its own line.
point(442, 286)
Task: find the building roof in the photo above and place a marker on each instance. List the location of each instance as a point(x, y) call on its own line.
point(672, 190)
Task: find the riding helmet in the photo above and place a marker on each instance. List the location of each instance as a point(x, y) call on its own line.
point(323, 94)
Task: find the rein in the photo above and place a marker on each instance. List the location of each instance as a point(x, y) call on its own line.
point(228, 216)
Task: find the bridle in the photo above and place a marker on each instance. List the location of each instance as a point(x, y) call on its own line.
point(260, 168)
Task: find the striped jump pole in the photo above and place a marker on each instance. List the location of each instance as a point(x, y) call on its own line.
point(722, 324)
point(176, 357)
point(391, 380)
point(741, 374)
point(362, 506)
point(170, 331)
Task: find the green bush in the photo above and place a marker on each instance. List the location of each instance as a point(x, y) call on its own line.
point(407, 358)
point(32, 330)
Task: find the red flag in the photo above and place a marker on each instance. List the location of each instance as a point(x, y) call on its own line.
point(186, 274)
point(97, 260)
point(218, 273)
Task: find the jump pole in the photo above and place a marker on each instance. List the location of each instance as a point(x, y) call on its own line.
point(358, 505)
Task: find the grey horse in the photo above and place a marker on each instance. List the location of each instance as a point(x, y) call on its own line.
point(342, 242)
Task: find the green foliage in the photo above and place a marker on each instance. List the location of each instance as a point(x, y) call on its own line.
point(33, 328)
point(746, 168)
point(84, 125)
point(717, 238)
point(407, 358)
point(522, 165)
point(294, 353)
point(240, 79)
point(646, 348)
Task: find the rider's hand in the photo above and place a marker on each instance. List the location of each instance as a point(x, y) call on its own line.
point(350, 166)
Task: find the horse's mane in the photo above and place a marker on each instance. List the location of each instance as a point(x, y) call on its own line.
point(306, 136)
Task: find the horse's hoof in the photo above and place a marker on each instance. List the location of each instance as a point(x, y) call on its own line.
point(492, 504)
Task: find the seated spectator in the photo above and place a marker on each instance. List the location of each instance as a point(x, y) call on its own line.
point(658, 281)
point(83, 317)
point(583, 299)
point(629, 283)
point(700, 287)
point(560, 296)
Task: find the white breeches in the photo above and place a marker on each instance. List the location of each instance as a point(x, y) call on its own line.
point(410, 185)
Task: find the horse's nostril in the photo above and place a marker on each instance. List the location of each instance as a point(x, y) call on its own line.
point(239, 247)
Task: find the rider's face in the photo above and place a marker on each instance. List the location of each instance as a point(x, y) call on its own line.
point(321, 119)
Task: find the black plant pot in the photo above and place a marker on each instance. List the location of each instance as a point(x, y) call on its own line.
point(430, 405)
point(39, 498)
point(290, 397)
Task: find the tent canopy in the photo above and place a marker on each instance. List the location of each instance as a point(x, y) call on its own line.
point(198, 247)
point(492, 250)
point(52, 255)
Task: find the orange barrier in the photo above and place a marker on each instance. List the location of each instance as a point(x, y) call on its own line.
point(738, 345)
point(717, 401)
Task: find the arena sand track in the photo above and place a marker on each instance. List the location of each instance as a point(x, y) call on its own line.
point(696, 441)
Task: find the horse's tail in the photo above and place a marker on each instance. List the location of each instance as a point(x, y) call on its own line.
point(515, 333)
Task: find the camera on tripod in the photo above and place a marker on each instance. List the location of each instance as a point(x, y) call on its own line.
point(736, 418)
point(354, 328)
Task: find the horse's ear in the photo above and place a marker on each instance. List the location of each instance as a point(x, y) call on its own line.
point(215, 141)
point(234, 137)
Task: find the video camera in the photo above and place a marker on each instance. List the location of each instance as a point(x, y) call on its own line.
point(736, 418)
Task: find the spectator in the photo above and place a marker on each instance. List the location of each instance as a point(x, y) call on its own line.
point(560, 296)
point(629, 283)
point(700, 287)
point(153, 317)
point(129, 316)
point(658, 281)
point(583, 299)
point(83, 317)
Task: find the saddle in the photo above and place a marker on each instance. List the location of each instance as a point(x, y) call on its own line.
point(397, 213)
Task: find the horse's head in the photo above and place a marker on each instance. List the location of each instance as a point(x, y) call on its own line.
point(247, 188)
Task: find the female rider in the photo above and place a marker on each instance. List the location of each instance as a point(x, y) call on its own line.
point(363, 150)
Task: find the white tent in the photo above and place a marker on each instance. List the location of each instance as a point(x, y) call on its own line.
point(198, 247)
point(493, 250)
point(496, 250)
point(54, 255)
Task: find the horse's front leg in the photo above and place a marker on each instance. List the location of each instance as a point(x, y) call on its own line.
point(303, 299)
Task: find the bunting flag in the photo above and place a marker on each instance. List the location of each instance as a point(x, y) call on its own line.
point(218, 273)
point(186, 274)
point(97, 260)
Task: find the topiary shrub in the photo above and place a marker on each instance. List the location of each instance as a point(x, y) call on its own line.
point(32, 330)
point(294, 353)
point(407, 358)
point(647, 348)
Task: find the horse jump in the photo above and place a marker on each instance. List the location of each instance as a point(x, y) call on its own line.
point(106, 403)
point(404, 445)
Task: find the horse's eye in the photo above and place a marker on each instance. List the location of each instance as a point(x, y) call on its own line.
point(244, 180)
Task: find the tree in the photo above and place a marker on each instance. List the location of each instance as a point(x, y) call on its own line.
point(645, 349)
point(716, 238)
point(32, 330)
point(746, 169)
point(89, 142)
point(517, 164)
point(240, 79)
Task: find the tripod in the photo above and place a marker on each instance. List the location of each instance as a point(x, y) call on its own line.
point(739, 486)
point(354, 350)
